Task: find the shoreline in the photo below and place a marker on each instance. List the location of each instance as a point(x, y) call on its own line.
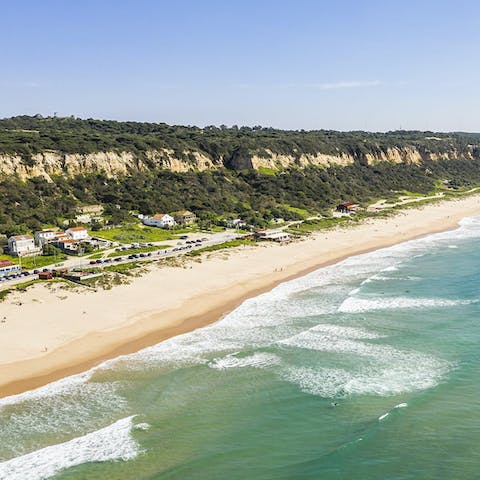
point(149, 326)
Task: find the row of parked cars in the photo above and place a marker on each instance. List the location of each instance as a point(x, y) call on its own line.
point(188, 244)
point(14, 275)
point(133, 245)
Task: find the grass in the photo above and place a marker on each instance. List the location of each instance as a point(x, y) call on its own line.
point(136, 233)
point(310, 226)
point(120, 268)
point(22, 287)
point(267, 171)
point(95, 256)
point(300, 211)
point(124, 268)
point(37, 261)
point(221, 246)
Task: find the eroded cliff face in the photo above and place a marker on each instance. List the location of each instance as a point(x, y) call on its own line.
point(52, 163)
point(49, 164)
point(409, 155)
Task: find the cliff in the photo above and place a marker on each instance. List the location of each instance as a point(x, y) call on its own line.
point(47, 147)
point(112, 164)
point(51, 163)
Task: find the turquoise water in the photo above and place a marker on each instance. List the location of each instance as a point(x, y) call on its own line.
point(368, 369)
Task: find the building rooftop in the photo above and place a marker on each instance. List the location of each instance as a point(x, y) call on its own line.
point(183, 213)
point(22, 237)
point(77, 229)
point(6, 263)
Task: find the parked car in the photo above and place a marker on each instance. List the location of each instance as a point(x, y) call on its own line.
point(92, 262)
point(183, 237)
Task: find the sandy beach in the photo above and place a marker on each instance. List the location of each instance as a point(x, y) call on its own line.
point(50, 332)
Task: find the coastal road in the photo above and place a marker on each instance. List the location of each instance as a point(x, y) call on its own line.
point(181, 248)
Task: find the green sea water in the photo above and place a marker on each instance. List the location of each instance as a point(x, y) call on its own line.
point(368, 369)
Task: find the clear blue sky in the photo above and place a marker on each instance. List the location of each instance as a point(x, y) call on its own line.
point(338, 64)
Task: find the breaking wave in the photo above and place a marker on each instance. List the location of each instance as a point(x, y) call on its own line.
point(107, 444)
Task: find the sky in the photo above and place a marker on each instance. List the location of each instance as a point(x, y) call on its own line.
point(297, 64)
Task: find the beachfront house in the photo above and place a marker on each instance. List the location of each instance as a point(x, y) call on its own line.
point(160, 220)
point(45, 236)
point(83, 218)
point(90, 210)
point(20, 245)
point(8, 268)
point(68, 245)
point(185, 217)
point(236, 223)
point(77, 233)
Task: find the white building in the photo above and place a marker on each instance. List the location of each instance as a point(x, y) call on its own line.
point(236, 223)
point(83, 218)
point(20, 245)
point(161, 220)
point(45, 236)
point(277, 236)
point(8, 268)
point(77, 233)
point(91, 209)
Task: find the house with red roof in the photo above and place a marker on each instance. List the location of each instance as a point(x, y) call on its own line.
point(77, 233)
point(161, 220)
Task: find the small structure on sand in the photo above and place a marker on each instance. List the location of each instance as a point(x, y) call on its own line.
point(347, 207)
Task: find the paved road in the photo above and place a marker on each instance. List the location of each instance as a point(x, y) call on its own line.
point(180, 248)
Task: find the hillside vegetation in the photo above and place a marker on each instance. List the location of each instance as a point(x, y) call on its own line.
point(230, 147)
point(225, 191)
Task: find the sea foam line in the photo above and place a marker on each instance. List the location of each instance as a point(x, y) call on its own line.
point(113, 442)
point(256, 311)
point(356, 305)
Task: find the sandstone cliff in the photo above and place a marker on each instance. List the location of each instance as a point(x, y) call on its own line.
point(51, 163)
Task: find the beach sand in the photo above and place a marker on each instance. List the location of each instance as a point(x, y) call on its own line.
point(47, 333)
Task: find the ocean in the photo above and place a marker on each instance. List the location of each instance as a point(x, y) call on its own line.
point(367, 369)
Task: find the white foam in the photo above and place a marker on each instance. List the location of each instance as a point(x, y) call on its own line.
point(81, 407)
point(401, 405)
point(393, 374)
point(391, 268)
point(257, 360)
point(110, 443)
point(382, 417)
point(357, 304)
point(142, 426)
point(273, 316)
point(343, 331)
point(61, 386)
point(374, 368)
